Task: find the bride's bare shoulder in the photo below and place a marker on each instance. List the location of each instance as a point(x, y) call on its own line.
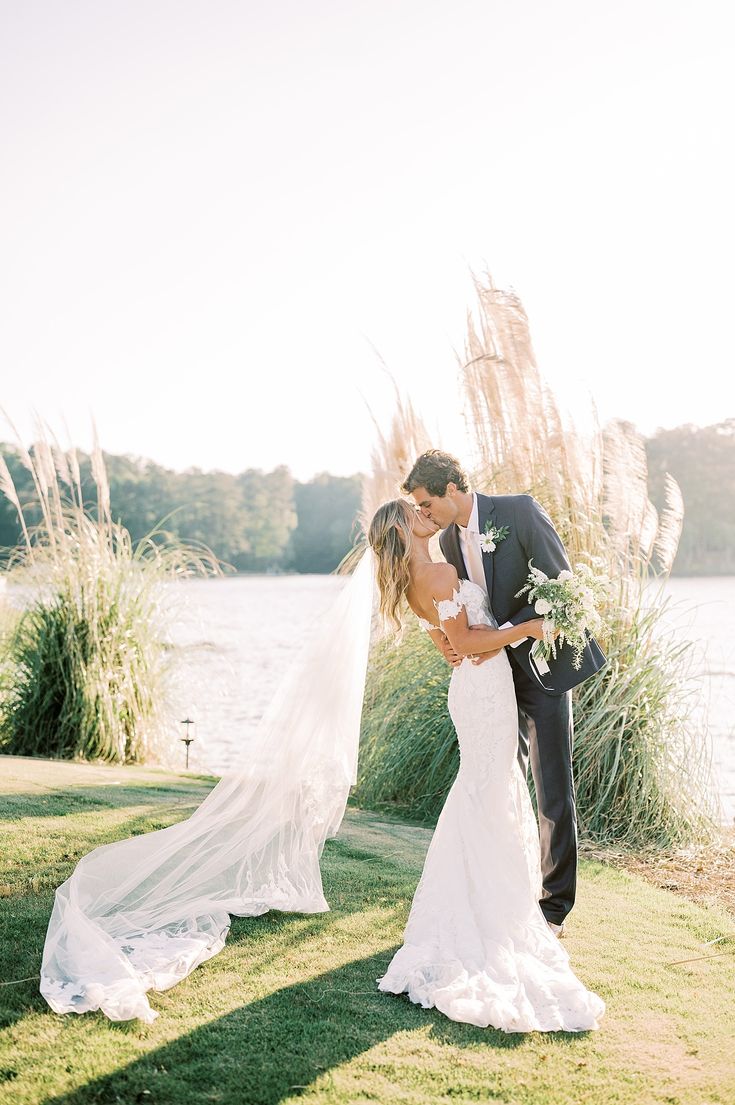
point(439, 578)
point(429, 583)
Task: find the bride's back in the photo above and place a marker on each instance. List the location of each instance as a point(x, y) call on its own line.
point(426, 581)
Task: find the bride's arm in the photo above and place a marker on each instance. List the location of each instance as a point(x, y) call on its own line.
point(477, 640)
point(468, 641)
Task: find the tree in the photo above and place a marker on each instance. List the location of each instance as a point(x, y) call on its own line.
point(269, 518)
point(702, 460)
point(327, 509)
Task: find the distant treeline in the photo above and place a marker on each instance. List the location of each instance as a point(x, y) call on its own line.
point(269, 522)
point(702, 461)
point(256, 521)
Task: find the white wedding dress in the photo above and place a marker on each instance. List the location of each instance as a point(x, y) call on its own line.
point(477, 946)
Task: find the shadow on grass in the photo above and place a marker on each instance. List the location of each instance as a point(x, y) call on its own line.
point(276, 1047)
point(353, 880)
point(16, 805)
point(24, 927)
point(270, 1047)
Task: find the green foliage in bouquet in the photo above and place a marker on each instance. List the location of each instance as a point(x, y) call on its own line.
point(642, 755)
point(83, 665)
point(570, 606)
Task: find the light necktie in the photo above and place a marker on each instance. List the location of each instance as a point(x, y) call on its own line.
point(474, 558)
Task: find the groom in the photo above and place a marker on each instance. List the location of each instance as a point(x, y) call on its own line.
point(521, 530)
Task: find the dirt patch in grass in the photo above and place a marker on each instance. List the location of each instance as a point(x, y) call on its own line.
point(704, 874)
point(652, 1047)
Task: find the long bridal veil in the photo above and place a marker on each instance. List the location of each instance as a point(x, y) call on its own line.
point(142, 913)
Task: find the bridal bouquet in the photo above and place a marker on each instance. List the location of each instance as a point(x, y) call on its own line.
point(569, 607)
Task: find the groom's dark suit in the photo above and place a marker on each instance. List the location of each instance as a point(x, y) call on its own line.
point(544, 700)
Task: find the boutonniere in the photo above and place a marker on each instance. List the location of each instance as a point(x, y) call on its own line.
point(491, 536)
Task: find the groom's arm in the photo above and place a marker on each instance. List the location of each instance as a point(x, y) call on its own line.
point(541, 543)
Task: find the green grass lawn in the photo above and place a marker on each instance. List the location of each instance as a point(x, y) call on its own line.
point(290, 1011)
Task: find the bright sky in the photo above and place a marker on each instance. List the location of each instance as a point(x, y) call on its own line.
point(213, 213)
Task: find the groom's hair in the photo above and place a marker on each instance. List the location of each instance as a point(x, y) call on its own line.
point(434, 470)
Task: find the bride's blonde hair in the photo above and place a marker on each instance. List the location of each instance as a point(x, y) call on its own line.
point(390, 535)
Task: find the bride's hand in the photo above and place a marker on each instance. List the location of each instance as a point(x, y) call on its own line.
point(535, 628)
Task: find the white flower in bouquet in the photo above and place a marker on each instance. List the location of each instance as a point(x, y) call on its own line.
point(536, 575)
point(569, 606)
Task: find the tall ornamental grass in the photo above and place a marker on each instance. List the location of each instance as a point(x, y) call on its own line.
point(83, 667)
point(642, 756)
point(409, 756)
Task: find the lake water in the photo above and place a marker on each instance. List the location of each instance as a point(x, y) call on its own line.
point(232, 639)
point(235, 636)
point(703, 610)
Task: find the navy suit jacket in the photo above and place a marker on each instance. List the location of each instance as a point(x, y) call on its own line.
point(531, 536)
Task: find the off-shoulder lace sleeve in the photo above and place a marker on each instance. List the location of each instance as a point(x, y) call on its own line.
point(449, 608)
point(428, 626)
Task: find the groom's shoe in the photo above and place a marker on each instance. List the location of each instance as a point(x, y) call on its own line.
point(558, 930)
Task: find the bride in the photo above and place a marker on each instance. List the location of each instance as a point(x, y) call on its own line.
point(477, 946)
point(140, 914)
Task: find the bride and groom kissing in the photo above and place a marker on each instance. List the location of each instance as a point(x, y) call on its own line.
point(481, 943)
point(481, 940)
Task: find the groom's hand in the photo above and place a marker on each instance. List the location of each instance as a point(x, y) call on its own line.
point(451, 657)
point(481, 657)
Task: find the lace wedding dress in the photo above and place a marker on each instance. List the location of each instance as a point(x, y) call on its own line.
point(477, 946)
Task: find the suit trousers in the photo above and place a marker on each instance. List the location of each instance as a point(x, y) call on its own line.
point(545, 738)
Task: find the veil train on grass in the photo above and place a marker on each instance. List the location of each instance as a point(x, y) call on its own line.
point(140, 914)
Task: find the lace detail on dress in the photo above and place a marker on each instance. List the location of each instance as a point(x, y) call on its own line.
point(448, 608)
point(473, 598)
point(469, 595)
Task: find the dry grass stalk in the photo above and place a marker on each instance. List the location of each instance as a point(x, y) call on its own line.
point(392, 456)
point(84, 668)
point(642, 763)
point(523, 442)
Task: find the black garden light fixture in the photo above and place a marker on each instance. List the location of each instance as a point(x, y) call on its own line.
point(187, 740)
